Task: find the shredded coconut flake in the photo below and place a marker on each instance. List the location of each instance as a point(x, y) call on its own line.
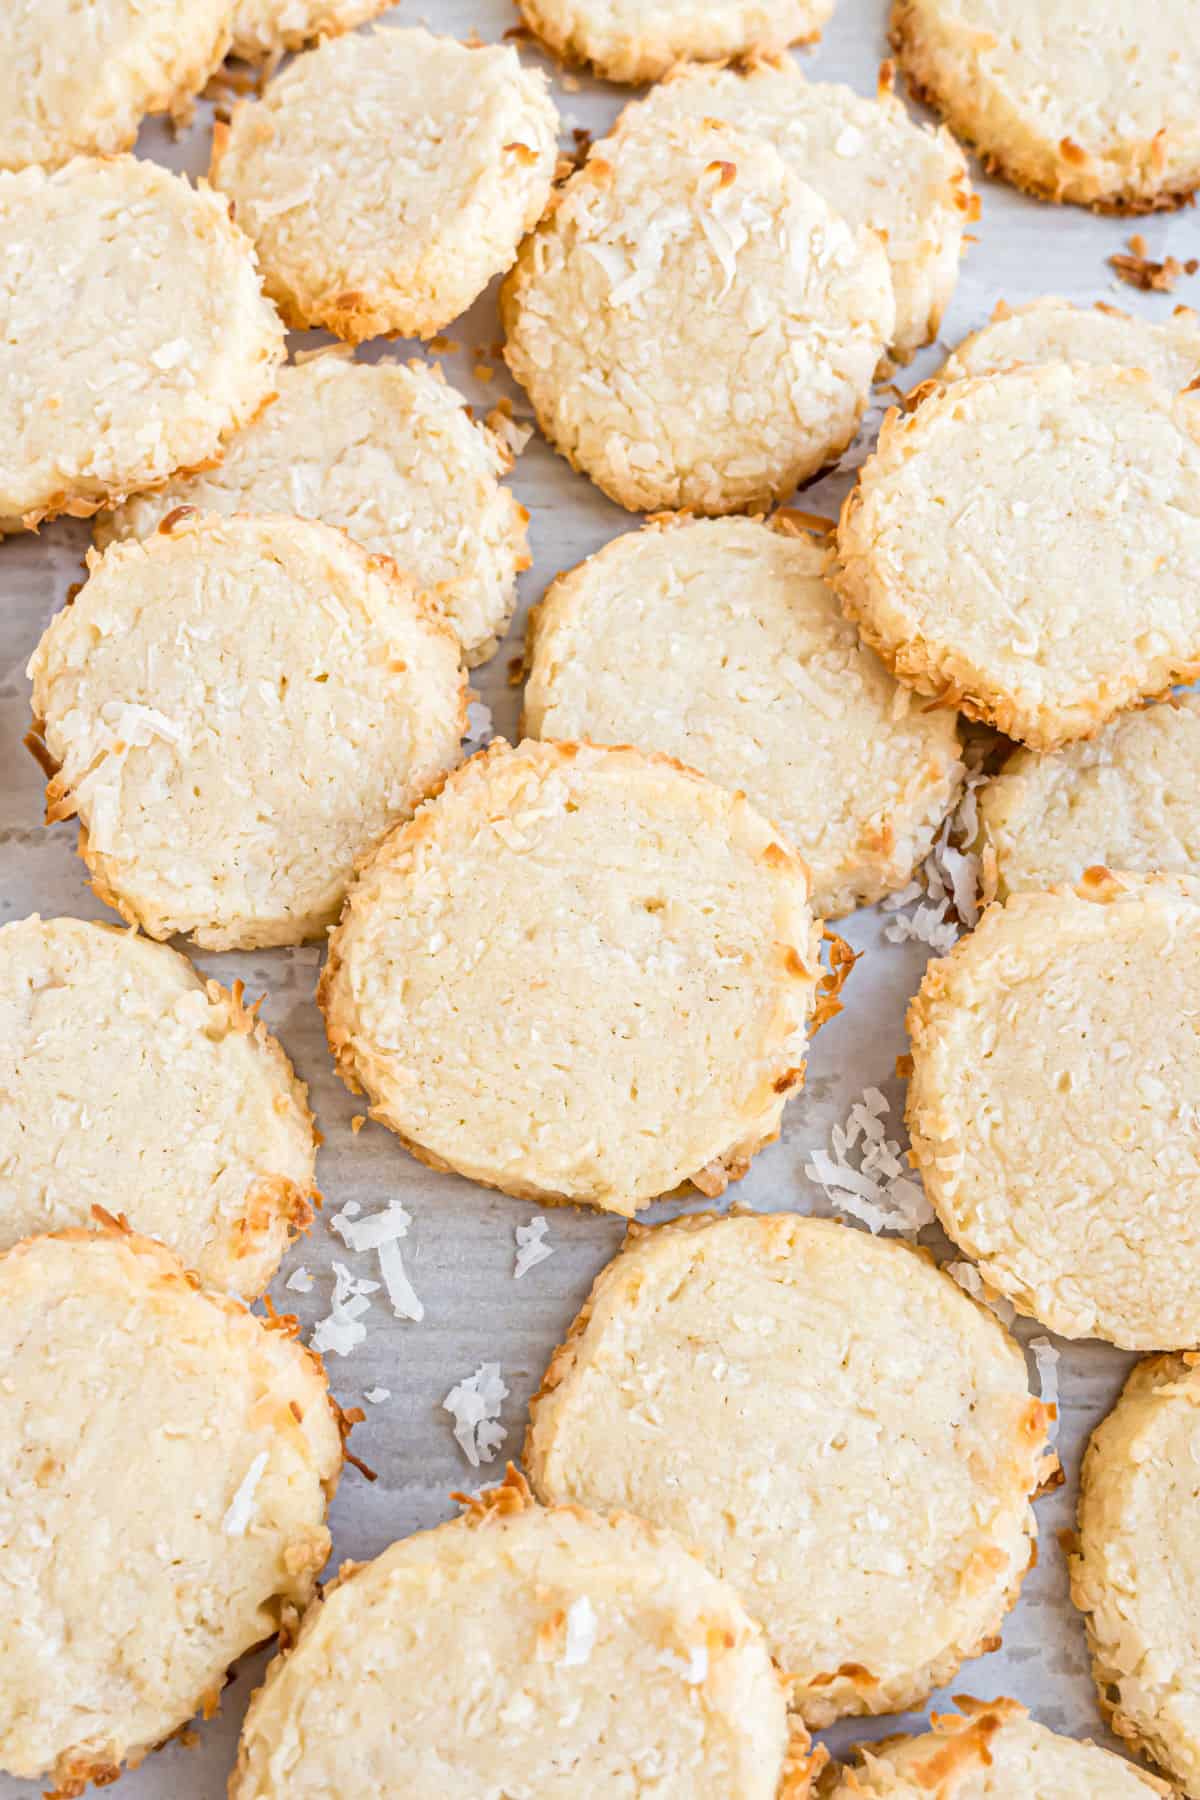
point(581, 1633)
point(342, 1330)
point(373, 1231)
point(400, 1292)
point(532, 1247)
point(972, 1282)
point(946, 886)
point(475, 1405)
point(878, 1191)
point(1046, 1357)
point(377, 1395)
point(301, 1282)
point(241, 1507)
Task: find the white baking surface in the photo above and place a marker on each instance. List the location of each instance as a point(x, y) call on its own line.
point(460, 1249)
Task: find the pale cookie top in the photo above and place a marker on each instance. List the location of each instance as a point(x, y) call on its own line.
point(262, 27)
point(391, 455)
point(165, 1466)
point(133, 334)
point(693, 324)
point(238, 711)
point(80, 75)
point(1093, 104)
point(639, 40)
point(579, 974)
point(870, 161)
point(1128, 798)
point(1053, 330)
point(846, 1437)
point(990, 1750)
point(387, 176)
point(1052, 1102)
point(1026, 546)
point(1135, 1576)
point(576, 1658)
point(131, 1083)
point(720, 642)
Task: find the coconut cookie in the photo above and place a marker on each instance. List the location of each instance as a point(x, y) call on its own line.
point(391, 455)
point(133, 334)
point(866, 158)
point(132, 1084)
point(990, 1750)
point(694, 325)
point(265, 27)
point(1055, 331)
point(1095, 107)
point(1026, 547)
point(720, 642)
point(76, 78)
point(579, 974)
point(845, 1436)
point(238, 710)
point(1055, 1069)
point(1134, 1576)
point(579, 1657)
point(165, 1466)
point(639, 40)
point(387, 176)
point(1127, 799)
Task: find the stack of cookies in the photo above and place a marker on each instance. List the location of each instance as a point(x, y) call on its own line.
point(779, 1472)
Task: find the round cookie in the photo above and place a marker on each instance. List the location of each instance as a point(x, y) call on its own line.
point(263, 28)
point(1055, 1068)
point(639, 40)
point(1134, 1576)
point(1128, 798)
point(847, 1438)
point(693, 324)
point(136, 339)
point(720, 642)
point(990, 1750)
point(132, 1084)
point(238, 709)
point(390, 454)
point(577, 1656)
point(341, 174)
point(80, 78)
point(1026, 547)
point(579, 974)
point(1096, 108)
point(866, 158)
point(165, 1465)
point(1053, 330)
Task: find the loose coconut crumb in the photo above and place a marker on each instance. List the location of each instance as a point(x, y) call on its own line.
point(241, 1507)
point(581, 1633)
point(1047, 1358)
point(972, 1282)
point(377, 1395)
point(480, 727)
point(475, 1405)
point(532, 1247)
point(879, 1191)
point(300, 1281)
point(1140, 271)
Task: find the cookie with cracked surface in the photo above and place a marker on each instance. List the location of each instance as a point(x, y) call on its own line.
point(134, 336)
point(1026, 546)
point(371, 115)
point(238, 709)
point(639, 40)
point(78, 76)
point(872, 163)
point(578, 975)
point(1055, 1067)
point(1095, 107)
point(166, 1461)
point(847, 1438)
point(719, 641)
point(263, 28)
point(584, 1658)
point(1052, 330)
point(1134, 1573)
point(390, 454)
point(695, 326)
point(989, 1750)
point(133, 1084)
point(1125, 799)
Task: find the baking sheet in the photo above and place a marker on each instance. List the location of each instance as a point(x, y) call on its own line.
point(460, 1249)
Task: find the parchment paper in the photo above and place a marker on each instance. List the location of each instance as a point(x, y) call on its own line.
point(460, 1250)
